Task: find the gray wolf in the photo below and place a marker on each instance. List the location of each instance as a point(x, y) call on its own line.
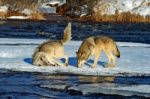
point(48, 53)
point(94, 46)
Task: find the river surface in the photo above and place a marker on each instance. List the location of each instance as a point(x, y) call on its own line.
point(24, 85)
point(126, 32)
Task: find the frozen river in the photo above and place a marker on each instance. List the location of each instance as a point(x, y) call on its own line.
point(20, 79)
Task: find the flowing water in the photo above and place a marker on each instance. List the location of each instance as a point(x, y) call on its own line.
point(133, 32)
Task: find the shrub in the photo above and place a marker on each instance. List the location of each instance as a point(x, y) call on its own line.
point(17, 6)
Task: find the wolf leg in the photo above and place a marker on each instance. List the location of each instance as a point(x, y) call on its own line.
point(109, 56)
point(97, 55)
point(56, 62)
point(47, 61)
point(111, 60)
point(50, 61)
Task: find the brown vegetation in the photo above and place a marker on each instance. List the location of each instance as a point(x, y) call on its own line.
point(73, 6)
point(17, 6)
point(120, 17)
point(117, 17)
point(14, 13)
point(3, 14)
point(37, 15)
point(148, 4)
point(62, 9)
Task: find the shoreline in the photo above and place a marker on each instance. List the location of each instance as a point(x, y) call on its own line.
point(54, 17)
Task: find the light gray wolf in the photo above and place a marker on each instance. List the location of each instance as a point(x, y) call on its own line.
point(49, 52)
point(94, 46)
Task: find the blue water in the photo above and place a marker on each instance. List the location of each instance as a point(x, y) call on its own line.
point(23, 85)
point(129, 32)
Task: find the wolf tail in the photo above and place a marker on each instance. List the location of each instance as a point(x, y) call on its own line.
point(36, 58)
point(67, 33)
point(116, 51)
point(39, 58)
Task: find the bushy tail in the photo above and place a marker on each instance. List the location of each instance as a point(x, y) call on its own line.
point(40, 59)
point(67, 33)
point(36, 58)
point(116, 51)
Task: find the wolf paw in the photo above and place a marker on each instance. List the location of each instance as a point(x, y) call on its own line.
point(66, 64)
point(93, 66)
point(109, 65)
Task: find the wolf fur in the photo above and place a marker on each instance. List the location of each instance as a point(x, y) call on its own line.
point(94, 46)
point(48, 53)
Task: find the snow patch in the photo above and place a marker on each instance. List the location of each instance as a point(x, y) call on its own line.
point(27, 12)
point(18, 17)
point(17, 57)
point(134, 6)
point(143, 11)
point(47, 9)
point(4, 9)
point(53, 2)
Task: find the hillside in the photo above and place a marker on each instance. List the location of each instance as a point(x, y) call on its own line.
point(108, 10)
point(28, 9)
point(95, 10)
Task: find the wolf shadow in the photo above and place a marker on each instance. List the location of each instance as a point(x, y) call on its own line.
point(72, 61)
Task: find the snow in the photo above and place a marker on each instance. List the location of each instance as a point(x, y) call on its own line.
point(15, 54)
point(47, 9)
point(18, 17)
point(134, 6)
point(128, 5)
point(53, 2)
point(142, 11)
point(4, 9)
point(27, 11)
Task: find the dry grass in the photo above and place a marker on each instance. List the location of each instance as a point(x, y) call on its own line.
point(37, 16)
point(14, 13)
point(118, 17)
point(17, 6)
point(3, 14)
point(148, 4)
point(65, 10)
point(62, 9)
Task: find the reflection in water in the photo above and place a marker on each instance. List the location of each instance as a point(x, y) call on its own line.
point(85, 79)
point(76, 79)
point(49, 77)
point(21, 85)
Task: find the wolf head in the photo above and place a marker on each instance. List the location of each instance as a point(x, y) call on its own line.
point(81, 58)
